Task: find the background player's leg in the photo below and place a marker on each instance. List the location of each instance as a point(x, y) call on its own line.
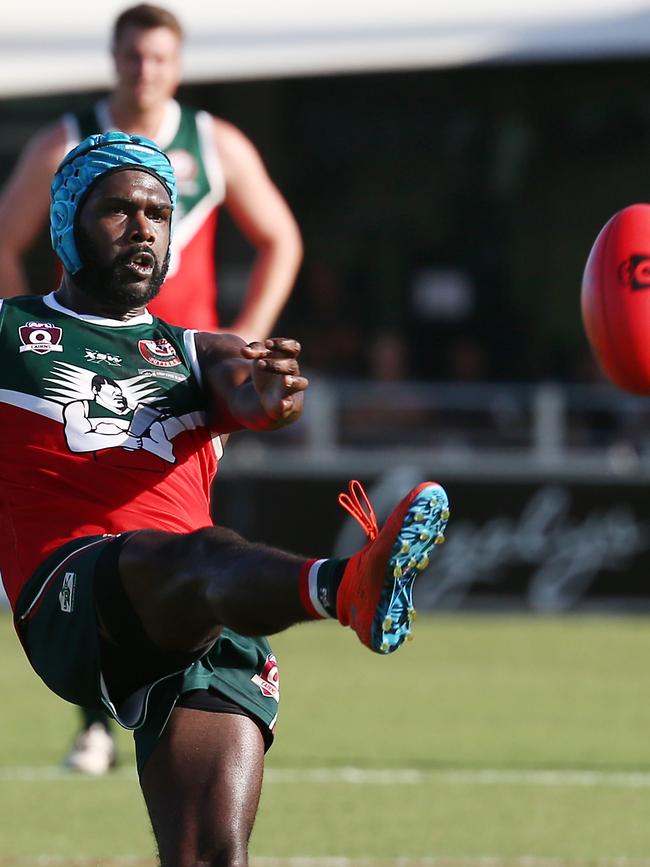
point(93, 750)
point(202, 787)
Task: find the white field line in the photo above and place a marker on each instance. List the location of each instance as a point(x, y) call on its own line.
point(382, 777)
point(306, 861)
point(354, 776)
point(487, 777)
point(447, 861)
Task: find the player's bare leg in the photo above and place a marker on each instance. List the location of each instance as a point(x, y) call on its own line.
point(185, 587)
point(202, 787)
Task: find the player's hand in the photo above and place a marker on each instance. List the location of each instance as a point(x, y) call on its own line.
point(276, 377)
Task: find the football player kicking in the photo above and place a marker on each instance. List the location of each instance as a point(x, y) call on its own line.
point(126, 597)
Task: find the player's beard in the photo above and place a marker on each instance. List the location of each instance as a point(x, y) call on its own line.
point(104, 281)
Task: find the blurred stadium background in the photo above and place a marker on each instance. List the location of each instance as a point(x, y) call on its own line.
point(450, 167)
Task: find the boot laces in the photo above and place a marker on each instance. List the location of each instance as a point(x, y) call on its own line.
point(356, 502)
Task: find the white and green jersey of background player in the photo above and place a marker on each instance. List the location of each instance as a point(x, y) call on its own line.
point(193, 182)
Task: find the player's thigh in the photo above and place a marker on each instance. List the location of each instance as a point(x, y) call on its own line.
point(167, 577)
point(202, 787)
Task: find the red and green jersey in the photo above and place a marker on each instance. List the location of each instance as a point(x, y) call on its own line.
point(189, 294)
point(102, 430)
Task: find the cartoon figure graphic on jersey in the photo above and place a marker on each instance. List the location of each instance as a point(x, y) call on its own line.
point(101, 413)
point(107, 422)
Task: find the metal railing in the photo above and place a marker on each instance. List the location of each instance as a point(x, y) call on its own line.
point(465, 429)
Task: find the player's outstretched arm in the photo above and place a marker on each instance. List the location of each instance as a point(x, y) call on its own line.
point(256, 386)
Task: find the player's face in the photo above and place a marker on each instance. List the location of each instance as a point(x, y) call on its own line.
point(123, 240)
point(148, 66)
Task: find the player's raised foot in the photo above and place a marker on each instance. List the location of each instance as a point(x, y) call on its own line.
point(375, 597)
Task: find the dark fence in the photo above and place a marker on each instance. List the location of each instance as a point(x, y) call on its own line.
point(522, 544)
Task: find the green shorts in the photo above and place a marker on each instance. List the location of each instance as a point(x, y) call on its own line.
point(56, 622)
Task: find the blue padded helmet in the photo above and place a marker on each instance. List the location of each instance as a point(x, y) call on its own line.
point(83, 166)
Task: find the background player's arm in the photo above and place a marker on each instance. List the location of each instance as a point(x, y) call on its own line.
point(262, 215)
point(24, 205)
point(256, 386)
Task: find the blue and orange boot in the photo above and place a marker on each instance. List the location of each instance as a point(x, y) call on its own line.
point(375, 597)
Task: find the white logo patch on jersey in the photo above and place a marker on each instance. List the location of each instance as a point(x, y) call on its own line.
point(101, 413)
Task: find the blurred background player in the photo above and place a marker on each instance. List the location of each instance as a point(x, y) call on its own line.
point(215, 165)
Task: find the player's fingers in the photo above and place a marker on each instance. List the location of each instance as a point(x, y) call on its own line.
point(254, 350)
point(285, 345)
point(296, 383)
point(279, 365)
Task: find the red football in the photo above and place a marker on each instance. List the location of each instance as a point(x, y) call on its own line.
point(616, 299)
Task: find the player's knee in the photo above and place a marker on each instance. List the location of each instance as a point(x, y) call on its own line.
point(179, 619)
point(231, 854)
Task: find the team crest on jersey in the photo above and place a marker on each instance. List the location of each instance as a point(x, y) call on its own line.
point(268, 679)
point(159, 353)
point(40, 337)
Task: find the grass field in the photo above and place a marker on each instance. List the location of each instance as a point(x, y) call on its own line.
point(488, 741)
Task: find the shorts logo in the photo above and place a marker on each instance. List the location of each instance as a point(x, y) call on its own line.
point(268, 679)
point(159, 353)
point(66, 596)
point(40, 337)
point(635, 271)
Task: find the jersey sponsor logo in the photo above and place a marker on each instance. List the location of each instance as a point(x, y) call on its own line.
point(159, 353)
point(40, 337)
point(102, 357)
point(268, 680)
point(66, 594)
point(163, 374)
